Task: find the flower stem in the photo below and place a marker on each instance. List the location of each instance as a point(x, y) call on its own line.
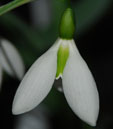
point(11, 5)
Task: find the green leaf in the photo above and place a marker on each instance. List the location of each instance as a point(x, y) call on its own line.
point(11, 5)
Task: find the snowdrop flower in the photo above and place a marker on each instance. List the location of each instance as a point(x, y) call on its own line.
point(10, 59)
point(62, 60)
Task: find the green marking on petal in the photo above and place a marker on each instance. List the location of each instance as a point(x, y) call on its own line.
point(62, 56)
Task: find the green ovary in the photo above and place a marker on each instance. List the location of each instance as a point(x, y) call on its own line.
point(62, 56)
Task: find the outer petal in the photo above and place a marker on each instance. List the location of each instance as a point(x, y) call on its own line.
point(11, 60)
point(36, 83)
point(80, 88)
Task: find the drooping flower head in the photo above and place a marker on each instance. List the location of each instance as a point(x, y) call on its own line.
point(10, 60)
point(61, 60)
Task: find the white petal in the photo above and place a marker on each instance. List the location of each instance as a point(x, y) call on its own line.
point(37, 82)
point(80, 88)
point(0, 76)
point(11, 60)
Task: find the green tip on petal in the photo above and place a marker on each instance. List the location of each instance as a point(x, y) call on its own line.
point(67, 24)
point(62, 56)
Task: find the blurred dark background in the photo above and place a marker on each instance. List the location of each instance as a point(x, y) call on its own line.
point(33, 28)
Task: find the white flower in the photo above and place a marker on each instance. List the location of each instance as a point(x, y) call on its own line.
point(78, 84)
point(10, 59)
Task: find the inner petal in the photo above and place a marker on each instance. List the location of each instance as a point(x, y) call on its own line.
point(62, 56)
